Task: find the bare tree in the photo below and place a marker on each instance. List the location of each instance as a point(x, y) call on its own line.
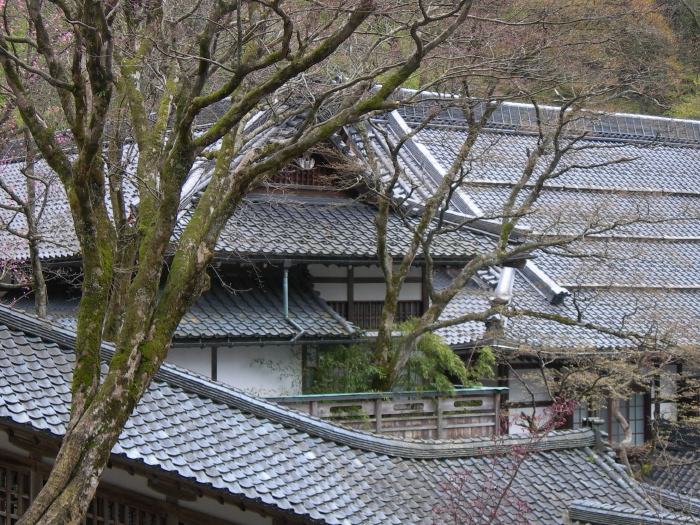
point(24, 200)
point(247, 86)
point(148, 74)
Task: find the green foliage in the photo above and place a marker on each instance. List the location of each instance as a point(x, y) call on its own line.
point(432, 366)
point(343, 369)
point(687, 105)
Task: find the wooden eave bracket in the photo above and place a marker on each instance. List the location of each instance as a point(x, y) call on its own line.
point(30, 442)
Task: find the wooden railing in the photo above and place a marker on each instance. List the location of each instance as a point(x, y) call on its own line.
point(464, 413)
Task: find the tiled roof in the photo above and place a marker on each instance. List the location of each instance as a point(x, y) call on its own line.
point(643, 272)
point(655, 197)
point(595, 513)
point(669, 313)
point(500, 158)
point(58, 240)
point(677, 470)
point(676, 461)
point(471, 299)
point(605, 309)
point(522, 118)
point(668, 214)
point(249, 306)
point(272, 227)
point(263, 228)
point(624, 263)
point(56, 225)
point(216, 436)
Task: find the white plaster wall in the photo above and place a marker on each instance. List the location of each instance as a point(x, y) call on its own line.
point(668, 411)
point(6, 446)
point(411, 292)
point(516, 425)
point(260, 370)
point(369, 292)
point(667, 388)
point(376, 271)
point(375, 292)
point(668, 379)
point(369, 271)
point(519, 393)
point(332, 291)
point(122, 479)
point(332, 270)
point(363, 291)
point(196, 359)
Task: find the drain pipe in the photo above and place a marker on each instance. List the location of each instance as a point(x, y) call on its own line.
point(285, 298)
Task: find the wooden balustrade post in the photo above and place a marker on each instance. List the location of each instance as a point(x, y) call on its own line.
point(440, 419)
point(378, 414)
point(497, 414)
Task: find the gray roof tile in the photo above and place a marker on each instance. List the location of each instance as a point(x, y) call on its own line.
point(273, 227)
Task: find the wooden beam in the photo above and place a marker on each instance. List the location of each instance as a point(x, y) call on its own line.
point(361, 280)
point(173, 489)
point(425, 293)
point(31, 442)
point(214, 362)
point(351, 293)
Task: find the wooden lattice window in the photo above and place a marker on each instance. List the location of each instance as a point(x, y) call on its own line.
point(368, 314)
point(14, 495)
point(111, 505)
point(316, 176)
point(108, 511)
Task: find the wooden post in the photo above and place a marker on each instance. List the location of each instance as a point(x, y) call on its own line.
point(378, 414)
point(351, 294)
point(497, 414)
point(424, 292)
point(172, 517)
point(36, 480)
point(440, 419)
point(314, 408)
point(214, 363)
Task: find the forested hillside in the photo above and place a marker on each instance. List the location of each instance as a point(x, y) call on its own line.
point(662, 53)
point(682, 17)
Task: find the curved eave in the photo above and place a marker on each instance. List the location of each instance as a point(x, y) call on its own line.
point(189, 342)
